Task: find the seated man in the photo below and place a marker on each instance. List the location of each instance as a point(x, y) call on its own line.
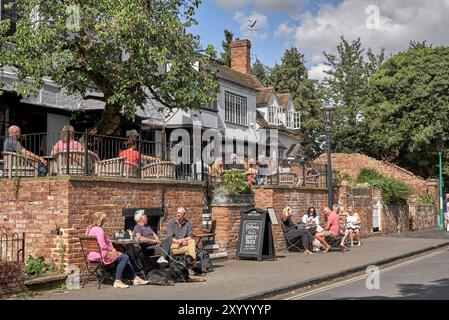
point(12, 144)
point(332, 228)
point(181, 232)
point(151, 244)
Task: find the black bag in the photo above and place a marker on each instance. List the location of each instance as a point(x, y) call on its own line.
point(203, 262)
point(42, 170)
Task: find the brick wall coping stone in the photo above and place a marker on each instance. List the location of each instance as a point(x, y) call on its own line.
point(290, 187)
point(231, 205)
point(45, 279)
point(112, 179)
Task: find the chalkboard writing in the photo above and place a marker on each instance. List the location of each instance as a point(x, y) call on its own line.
point(251, 238)
point(255, 236)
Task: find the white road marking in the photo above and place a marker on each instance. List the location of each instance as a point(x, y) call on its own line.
point(358, 278)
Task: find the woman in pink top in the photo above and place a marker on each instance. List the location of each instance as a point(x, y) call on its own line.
point(108, 254)
point(61, 145)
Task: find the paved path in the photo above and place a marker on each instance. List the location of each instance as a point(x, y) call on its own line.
point(247, 279)
point(421, 278)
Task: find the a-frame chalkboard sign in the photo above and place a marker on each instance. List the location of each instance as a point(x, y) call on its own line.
point(255, 236)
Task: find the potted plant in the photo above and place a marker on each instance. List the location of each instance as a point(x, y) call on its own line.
point(234, 188)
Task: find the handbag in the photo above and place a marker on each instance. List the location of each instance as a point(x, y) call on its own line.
point(112, 255)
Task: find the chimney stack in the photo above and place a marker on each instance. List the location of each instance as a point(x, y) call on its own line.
point(241, 56)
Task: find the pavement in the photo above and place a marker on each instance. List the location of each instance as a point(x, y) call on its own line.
point(421, 278)
point(250, 279)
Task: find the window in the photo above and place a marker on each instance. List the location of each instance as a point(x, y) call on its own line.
point(296, 120)
point(289, 120)
point(236, 109)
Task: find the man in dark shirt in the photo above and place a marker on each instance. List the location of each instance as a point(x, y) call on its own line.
point(150, 242)
point(181, 232)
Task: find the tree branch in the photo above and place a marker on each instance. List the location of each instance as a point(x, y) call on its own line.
point(91, 97)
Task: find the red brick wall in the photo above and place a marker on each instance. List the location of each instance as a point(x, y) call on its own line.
point(11, 279)
point(43, 203)
point(351, 164)
point(227, 227)
point(298, 199)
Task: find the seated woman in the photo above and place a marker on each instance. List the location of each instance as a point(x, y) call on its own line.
point(353, 226)
point(61, 145)
point(252, 172)
point(108, 254)
point(312, 220)
point(293, 231)
point(73, 145)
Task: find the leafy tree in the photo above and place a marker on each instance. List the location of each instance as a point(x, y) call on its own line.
point(117, 48)
point(346, 89)
point(226, 54)
point(292, 75)
point(261, 71)
point(408, 108)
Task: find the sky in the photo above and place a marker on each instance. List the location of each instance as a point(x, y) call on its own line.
point(315, 26)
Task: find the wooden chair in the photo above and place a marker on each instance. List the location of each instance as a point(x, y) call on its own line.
point(98, 271)
point(159, 170)
point(111, 167)
point(76, 164)
point(18, 165)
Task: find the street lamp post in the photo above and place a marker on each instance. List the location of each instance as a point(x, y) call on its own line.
point(328, 114)
point(440, 146)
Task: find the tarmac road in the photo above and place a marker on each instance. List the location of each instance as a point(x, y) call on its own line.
point(419, 278)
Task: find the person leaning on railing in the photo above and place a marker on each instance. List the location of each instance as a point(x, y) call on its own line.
point(12, 144)
point(131, 154)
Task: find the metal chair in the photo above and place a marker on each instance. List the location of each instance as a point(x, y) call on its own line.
point(98, 271)
point(291, 243)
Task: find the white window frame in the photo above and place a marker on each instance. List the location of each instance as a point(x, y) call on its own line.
point(236, 109)
point(296, 120)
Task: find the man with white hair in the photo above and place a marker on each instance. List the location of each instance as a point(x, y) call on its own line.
point(150, 242)
point(180, 230)
point(12, 144)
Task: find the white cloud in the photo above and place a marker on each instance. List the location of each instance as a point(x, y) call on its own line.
point(290, 6)
point(233, 4)
point(284, 30)
point(317, 72)
point(245, 22)
point(265, 6)
point(398, 23)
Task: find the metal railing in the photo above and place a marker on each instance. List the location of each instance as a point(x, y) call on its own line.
point(12, 248)
point(82, 153)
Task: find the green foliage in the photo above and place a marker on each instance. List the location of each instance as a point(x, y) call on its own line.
point(261, 71)
point(292, 75)
point(408, 108)
point(427, 199)
point(236, 182)
point(226, 54)
point(346, 88)
point(119, 48)
point(36, 266)
point(393, 190)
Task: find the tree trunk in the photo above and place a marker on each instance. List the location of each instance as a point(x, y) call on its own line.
point(110, 121)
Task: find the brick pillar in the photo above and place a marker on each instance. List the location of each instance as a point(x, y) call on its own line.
point(432, 188)
point(227, 217)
